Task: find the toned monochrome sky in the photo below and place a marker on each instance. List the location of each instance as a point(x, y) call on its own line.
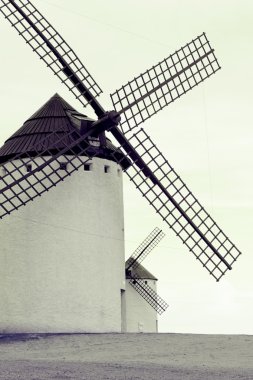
point(206, 135)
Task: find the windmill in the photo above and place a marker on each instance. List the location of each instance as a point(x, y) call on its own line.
point(30, 174)
point(144, 283)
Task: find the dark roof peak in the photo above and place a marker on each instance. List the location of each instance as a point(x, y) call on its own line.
point(55, 107)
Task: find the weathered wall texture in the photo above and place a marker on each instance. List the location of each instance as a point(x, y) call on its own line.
point(62, 257)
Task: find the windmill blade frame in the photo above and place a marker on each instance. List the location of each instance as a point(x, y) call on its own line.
point(133, 263)
point(155, 178)
point(48, 44)
point(148, 244)
point(163, 83)
point(149, 295)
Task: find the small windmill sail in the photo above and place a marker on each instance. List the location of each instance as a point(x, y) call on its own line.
point(134, 268)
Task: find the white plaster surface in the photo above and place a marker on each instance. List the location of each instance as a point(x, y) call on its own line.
point(62, 257)
point(140, 316)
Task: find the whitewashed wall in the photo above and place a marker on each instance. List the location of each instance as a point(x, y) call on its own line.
point(62, 257)
point(140, 316)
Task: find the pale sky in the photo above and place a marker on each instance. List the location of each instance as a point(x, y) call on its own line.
point(206, 135)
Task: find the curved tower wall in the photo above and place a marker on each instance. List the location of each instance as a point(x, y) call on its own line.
point(62, 256)
point(140, 316)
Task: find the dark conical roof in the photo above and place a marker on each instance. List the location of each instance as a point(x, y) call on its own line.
point(57, 116)
point(51, 117)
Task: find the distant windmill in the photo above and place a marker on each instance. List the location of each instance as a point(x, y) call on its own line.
point(145, 285)
point(30, 174)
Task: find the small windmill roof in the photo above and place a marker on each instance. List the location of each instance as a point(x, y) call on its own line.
point(56, 115)
point(140, 272)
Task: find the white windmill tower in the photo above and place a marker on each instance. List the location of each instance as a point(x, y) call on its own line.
point(87, 217)
point(62, 263)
